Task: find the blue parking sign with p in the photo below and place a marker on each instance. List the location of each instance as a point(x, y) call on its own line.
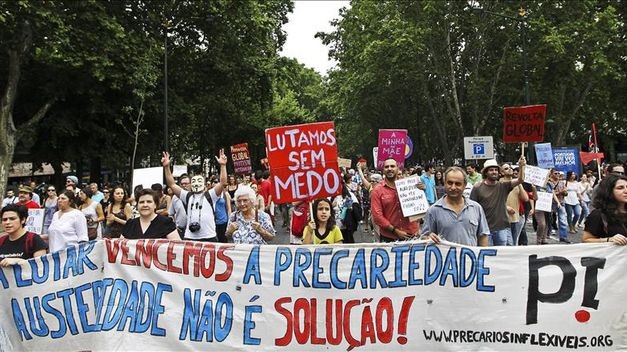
point(478, 148)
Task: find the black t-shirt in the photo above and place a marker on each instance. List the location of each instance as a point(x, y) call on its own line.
point(594, 225)
point(160, 227)
point(16, 249)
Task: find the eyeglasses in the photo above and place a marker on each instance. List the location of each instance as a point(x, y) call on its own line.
point(68, 181)
point(52, 190)
point(243, 200)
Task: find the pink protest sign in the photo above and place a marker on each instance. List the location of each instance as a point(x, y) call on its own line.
point(392, 145)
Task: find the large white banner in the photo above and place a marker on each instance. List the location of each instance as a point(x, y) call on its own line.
point(158, 295)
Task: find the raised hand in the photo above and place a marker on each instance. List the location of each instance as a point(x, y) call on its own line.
point(165, 159)
point(221, 158)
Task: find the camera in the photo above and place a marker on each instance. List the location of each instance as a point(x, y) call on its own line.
point(194, 226)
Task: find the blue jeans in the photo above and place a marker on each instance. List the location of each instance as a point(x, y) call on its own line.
point(501, 237)
point(516, 228)
point(572, 213)
point(562, 222)
point(585, 211)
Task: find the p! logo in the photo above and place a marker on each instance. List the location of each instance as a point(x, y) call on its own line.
point(567, 286)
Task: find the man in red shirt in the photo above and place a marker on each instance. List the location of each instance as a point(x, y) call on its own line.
point(386, 207)
point(24, 196)
point(265, 190)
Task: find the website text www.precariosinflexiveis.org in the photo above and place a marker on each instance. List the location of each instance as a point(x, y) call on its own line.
point(517, 338)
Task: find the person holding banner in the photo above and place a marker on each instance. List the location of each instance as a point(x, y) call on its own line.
point(199, 203)
point(608, 221)
point(322, 229)
point(17, 244)
point(149, 224)
point(68, 226)
point(248, 225)
point(455, 218)
point(386, 208)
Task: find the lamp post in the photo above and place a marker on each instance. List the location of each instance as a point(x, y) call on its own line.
point(522, 19)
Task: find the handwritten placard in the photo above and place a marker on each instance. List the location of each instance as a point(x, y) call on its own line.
point(544, 202)
point(241, 159)
point(523, 123)
point(536, 176)
point(413, 200)
point(544, 155)
point(35, 221)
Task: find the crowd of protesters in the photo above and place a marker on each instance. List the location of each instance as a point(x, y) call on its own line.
point(467, 205)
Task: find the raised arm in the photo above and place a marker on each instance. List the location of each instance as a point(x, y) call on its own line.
point(222, 160)
point(169, 179)
point(521, 172)
point(364, 182)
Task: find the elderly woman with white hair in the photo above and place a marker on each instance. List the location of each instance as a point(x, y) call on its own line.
point(247, 224)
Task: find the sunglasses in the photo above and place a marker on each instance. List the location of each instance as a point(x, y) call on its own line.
point(105, 192)
point(52, 190)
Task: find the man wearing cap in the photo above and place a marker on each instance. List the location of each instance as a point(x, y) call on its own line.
point(492, 195)
point(454, 217)
point(71, 184)
point(386, 207)
point(25, 198)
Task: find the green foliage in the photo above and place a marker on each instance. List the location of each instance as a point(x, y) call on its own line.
point(444, 71)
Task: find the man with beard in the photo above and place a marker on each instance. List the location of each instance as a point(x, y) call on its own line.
point(201, 225)
point(386, 207)
point(455, 218)
point(24, 196)
point(492, 195)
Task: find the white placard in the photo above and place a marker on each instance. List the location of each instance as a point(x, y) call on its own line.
point(147, 177)
point(544, 202)
point(536, 176)
point(35, 221)
point(478, 147)
point(178, 170)
point(413, 200)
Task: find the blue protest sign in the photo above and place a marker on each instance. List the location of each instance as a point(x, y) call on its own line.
point(567, 159)
point(544, 155)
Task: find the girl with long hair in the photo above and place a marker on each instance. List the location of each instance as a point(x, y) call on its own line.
point(322, 230)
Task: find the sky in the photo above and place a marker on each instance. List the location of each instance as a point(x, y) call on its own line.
point(308, 18)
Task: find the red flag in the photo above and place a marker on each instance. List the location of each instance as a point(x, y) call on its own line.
point(586, 158)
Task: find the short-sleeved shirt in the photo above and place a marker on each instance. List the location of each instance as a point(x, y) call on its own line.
point(245, 232)
point(177, 210)
point(463, 228)
point(201, 212)
point(328, 237)
point(594, 225)
point(17, 249)
point(160, 227)
point(67, 229)
point(430, 192)
point(492, 198)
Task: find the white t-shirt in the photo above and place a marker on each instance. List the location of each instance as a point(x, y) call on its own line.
point(573, 188)
point(200, 211)
point(67, 229)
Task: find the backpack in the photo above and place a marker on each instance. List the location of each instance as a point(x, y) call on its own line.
point(28, 243)
point(300, 218)
point(207, 195)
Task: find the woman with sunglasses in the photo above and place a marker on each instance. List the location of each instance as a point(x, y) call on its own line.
point(50, 206)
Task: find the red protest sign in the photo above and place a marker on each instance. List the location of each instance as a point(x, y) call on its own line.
point(241, 159)
point(303, 162)
point(524, 123)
